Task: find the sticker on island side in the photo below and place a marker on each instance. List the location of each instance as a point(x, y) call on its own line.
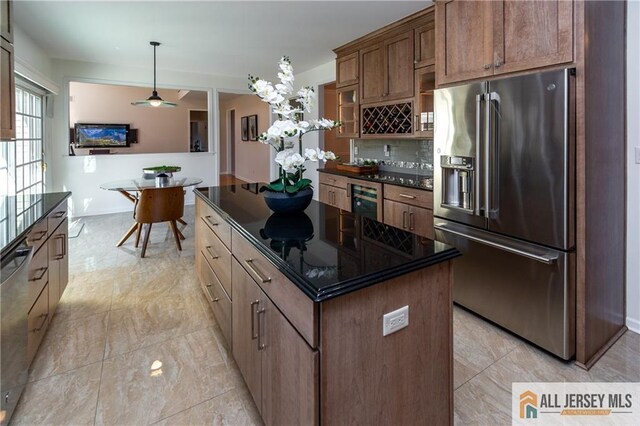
point(589, 403)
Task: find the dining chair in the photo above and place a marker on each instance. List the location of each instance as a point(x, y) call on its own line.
point(156, 205)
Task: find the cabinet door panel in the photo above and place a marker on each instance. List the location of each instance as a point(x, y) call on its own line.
point(244, 330)
point(347, 70)
point(7, 92)
point(372, 72)
point(55, 252)
point(532, 34)
point(6, 20)
point(290, 386)
point(63, 266)
point(425, 45)
point(464, 39)
point(396, 214)
point(399, 67)
point(421, 221)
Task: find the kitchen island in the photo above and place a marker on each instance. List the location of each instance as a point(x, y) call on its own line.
point(332, 317)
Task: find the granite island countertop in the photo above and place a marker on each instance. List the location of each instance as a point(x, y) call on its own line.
point(21, 214)
point(324, 251)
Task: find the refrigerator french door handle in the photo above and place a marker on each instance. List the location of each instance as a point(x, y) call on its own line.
point(486, 158)
point(547, 259)
point(477, 183)
point(491, 169)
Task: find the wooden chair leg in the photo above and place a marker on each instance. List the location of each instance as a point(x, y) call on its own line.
point(138, 234)
point(182, 221)
point(127, 235)
point(146, 240)
point(175, 234)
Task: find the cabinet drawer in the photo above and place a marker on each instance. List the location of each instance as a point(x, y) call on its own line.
point(38, 320)
point(38, 235)
point(402, 194)
point(218, 299)
point(414, 219)
point(214, 221)
point(57, 216)
point(299, 309)
point(334, 180)
point(216, 254)
point(38, 273)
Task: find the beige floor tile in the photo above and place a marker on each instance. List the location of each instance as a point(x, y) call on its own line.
point(65, 399)
point(70, 344)
point(158, 381)
point(223, 410)
point(161, 318)
point(85, 297)
point(477, 344)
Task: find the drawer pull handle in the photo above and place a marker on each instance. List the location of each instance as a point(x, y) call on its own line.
point(211, 298)
point(58, 215)
point(42, 272)
point(411, 222)
point(41, 233)
point(258, 274)
point(404, 219)
point(209, 221)
point(212, 253)
point(253, 314)
point(261, 345)
point(44, 321)
point(411, 197)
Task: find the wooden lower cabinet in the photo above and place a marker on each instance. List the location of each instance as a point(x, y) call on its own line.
point(334, 196)
point(37, 323)
point(280, 369)
point(58, 264)
point(410, 218)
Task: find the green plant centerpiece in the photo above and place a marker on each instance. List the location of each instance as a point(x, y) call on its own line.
point(290, 188)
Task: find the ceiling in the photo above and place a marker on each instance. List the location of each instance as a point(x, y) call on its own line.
point(232, 38)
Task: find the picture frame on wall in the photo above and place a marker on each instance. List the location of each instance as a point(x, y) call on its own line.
point(253, 127)
point(244, 128)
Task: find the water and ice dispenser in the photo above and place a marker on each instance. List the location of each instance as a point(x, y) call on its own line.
point(458, 182)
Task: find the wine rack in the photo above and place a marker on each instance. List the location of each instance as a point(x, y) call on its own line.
point(392, 119)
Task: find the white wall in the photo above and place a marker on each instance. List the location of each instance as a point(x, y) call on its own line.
point(315, 77)
point(83, 175)
point(633, 169)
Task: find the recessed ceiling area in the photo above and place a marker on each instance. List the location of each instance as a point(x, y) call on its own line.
point(231, 38)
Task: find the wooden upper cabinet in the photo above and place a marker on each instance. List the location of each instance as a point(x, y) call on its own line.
point(532, 34)
point(399, 66)
point(6, 20)
point(477, 39)
point(464, 39)
point(7, 92)
point(425, 45)
point(372, 72)
point(386, 69)
point(347, 70)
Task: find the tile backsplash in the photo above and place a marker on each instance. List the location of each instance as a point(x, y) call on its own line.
point(405, 155)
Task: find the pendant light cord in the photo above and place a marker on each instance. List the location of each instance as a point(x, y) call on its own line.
point(154, 68)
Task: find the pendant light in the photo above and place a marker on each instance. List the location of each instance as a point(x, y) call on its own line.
point(154, 100)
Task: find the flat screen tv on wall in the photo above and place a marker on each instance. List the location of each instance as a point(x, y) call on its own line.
point(90, 135)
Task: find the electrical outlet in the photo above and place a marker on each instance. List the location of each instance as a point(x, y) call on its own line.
point(637, 154)
point(355, 150)
point(396, 320)
point(387, 150)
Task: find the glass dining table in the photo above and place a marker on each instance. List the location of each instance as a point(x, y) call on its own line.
point(130, 187)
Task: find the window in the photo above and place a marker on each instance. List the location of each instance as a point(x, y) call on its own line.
point(21, 161)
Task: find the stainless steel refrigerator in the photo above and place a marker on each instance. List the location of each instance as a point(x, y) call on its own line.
point(504, 195)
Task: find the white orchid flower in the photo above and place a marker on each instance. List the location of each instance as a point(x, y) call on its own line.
point(323, 124)
point(306, 96)
point(289, 160)
point(318, 155)
point(281, 129)
point(311, 154)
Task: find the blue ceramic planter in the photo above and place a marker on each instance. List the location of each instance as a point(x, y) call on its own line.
point(282, 202)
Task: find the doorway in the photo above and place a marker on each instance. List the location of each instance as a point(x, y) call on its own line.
point(198, 131)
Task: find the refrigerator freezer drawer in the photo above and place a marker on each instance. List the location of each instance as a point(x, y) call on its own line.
point(527, 290)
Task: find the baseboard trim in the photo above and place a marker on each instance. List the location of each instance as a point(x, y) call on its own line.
point(633, 325)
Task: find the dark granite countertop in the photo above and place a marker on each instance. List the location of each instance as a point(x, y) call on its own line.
point(325, 251)
point(20, 213)
point(401, 179)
